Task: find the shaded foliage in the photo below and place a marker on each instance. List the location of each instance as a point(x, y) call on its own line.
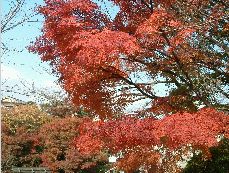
point(218, 163)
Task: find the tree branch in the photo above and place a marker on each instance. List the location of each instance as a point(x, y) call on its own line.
point(180, 66)
point(128, 81)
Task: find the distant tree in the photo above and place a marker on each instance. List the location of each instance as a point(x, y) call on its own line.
point(20, 126)
point(28, 116)
point(58, 104)
point(59, 152)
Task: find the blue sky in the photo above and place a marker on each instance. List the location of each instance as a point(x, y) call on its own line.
point(18, 65)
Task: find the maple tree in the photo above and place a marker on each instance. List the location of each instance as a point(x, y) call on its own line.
point(106, 64)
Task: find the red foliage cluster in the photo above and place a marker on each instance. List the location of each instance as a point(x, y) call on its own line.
point(18, 148)
point(59, 152)
point(173, 132)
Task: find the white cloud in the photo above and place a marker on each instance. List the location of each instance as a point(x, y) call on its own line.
point(9, 73)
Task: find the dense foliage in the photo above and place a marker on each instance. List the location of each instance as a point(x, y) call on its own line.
point(28, 116)
point(59, 153)
point(20, 126)
point(73, 144)
point(136, 138)
point(107, 63)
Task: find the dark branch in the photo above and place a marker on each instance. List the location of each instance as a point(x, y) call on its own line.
point(147, 5)
point(128, 81)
